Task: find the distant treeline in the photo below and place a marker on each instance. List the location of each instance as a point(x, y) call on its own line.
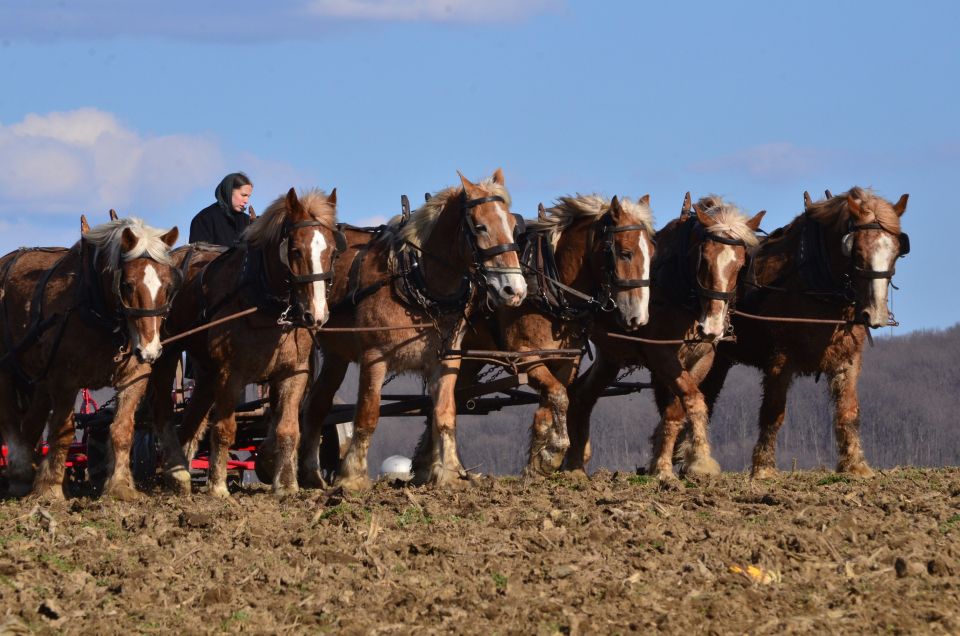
point(909, 399)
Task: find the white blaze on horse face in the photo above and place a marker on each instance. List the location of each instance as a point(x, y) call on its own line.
point(317, 245)
point(150, 350)
point(714, 321)
point(634, 303)
point(881, 260)
point(510, 288)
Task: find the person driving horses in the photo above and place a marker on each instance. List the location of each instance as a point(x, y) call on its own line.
point(223, 222)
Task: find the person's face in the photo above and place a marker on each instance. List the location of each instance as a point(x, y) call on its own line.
point(240, 197)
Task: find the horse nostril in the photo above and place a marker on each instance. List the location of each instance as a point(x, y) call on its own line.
point(308, 318)
point(508, 291)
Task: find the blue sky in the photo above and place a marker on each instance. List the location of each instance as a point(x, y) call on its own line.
point(108, 103)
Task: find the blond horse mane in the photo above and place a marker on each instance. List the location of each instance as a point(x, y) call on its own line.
point(268, 227)
point(835, 211)
point(106, 239)
point(587, 206)
point(730, 219)
point(417, 229)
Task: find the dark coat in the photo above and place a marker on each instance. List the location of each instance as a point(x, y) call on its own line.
point(215, 225)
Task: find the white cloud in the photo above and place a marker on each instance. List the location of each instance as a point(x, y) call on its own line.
point(432, 10)
point(87, 160)
point(767, 162)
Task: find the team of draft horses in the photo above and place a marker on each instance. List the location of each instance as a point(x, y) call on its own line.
point(462, 272)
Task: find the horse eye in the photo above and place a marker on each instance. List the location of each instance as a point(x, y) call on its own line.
point(126, 286)
point(481, 228)
point(625, 255)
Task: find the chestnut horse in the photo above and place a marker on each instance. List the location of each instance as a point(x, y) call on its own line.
point(695, 270)
point(88, 316)
point(456, 252)
point(588, 260)
point(282, 267)
point(833, 262)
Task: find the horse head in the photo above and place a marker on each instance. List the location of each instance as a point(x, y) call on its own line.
point(492, 232)
point(308, 245)
point(872, 244)
point(136, 279)
point(717, 253)
point(625, 250)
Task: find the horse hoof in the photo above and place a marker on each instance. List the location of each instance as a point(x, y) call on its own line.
point(354, 484)
point(219, 491)
point(19, 488)
point(668, 481)
point(285, 491)
point(122, 492)
point(764, 472)
point(311, 479)
point(703, 467)
point(178, 481)
point(859, 470)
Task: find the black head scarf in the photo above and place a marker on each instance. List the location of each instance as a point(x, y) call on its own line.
point(224, 192)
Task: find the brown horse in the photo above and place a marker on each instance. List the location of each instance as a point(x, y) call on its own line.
point(695, 270)
point(455, 253)
point(589, 261)
point(282, 267)
point(833, 262)
point(87, 316)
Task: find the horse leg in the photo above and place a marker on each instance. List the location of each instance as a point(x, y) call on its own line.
point(319, 401)
point(196, 416)
point(353, 474)
point(176, 470)
point(223, 435)
point(698, 461)
point(21, 444)
point(120, 482)
point(549, 439)
point(664, 437)
point(445, 467)
point(583, 395)
point(289, 393)
point(776, 383)
point(843, 390)
point(49, 481)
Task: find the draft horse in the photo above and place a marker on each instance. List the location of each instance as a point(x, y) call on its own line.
point(834, 261)
point(87, 316)
point(587, 260)
point(281, 267)
point(427, 276)
point(695, 271)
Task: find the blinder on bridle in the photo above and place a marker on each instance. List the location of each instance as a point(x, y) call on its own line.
point(482, 254)
point(703, 292)
point(611, 279)
point(127, 311)
point(340, 246)
point(846, 248)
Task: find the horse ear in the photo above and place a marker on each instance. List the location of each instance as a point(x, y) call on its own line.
point(705, 219)
point(828, 194)
point(113, 215)
point(332, 198)
point(901, 206)
point(252, 213)
point(293, 203)
point(615, 209)
point(128, 240)
point(468, 186)
point(645, 200)
point(807, 201)
point(498, 176)
point(170, 238)
point(754, 223)
point(854, 206)
point(84, 226)
point(687, 206)
point(541, 212)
